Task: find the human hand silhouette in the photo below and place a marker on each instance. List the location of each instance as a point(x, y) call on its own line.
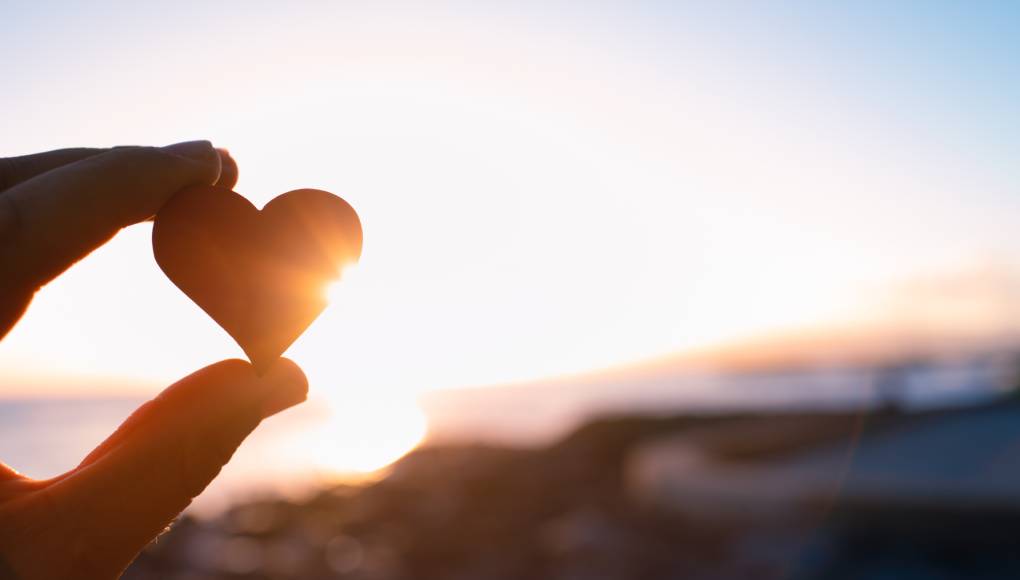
point(92, 521)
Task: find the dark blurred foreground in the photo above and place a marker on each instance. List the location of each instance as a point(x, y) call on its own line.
point(876, 494)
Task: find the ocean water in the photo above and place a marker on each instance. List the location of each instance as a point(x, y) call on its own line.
point(45, 437)
point(297, 450)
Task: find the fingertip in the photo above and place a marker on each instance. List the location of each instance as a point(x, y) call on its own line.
point(286, 374)
point(281, 373)
point(200, 154)
point(287, 386)
point(231, 368)
point(227, 375)
point(139, 180)
point(285, 370)
point(200, 150)
point(228, 169)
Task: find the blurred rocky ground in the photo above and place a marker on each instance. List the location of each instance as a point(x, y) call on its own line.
point(618, 499)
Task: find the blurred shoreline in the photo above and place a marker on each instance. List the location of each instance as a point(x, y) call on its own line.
point(620, 498)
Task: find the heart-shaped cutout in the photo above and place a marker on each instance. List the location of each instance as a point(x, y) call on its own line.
point(261, 275)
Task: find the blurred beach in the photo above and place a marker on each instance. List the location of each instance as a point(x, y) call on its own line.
point(905, 470)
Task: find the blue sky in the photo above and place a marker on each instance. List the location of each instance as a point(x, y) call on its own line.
point(944, 68)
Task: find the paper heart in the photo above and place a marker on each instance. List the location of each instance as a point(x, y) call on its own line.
point(261, 275)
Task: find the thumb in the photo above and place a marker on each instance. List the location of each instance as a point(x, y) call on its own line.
point(129, 489)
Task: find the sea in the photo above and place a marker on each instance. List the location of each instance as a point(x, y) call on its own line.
point(45, 437)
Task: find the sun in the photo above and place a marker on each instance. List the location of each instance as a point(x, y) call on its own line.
point(338, 287)
point(362, 430)
point(360, 439)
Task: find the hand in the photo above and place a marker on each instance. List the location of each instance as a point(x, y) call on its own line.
point(92, 521)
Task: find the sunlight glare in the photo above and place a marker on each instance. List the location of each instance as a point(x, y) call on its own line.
point(335, 288)
point(364, 438)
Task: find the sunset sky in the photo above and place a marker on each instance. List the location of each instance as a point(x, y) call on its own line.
point(545, 187)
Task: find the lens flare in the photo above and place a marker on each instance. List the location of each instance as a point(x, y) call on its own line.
point(335, 288)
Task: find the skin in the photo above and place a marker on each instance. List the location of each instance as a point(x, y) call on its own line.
point(92, 521)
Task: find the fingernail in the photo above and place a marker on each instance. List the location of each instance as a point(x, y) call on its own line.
point(288, 387)
point(198, 150)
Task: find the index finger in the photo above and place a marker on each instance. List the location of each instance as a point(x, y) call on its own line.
point(14, 170)
point(54, 219)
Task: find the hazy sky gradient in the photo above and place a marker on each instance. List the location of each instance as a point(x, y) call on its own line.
point(545, 188)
